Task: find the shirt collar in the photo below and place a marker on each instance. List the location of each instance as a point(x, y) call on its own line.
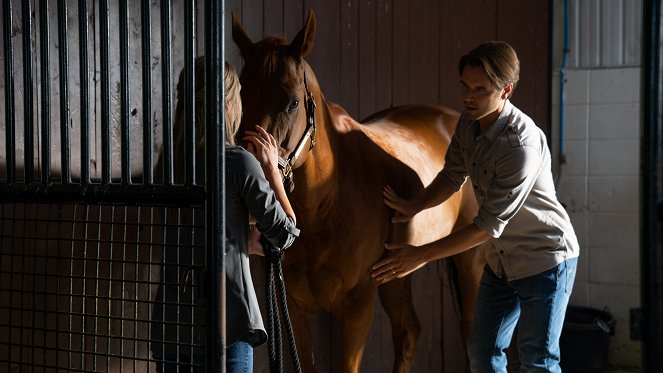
point(501, 122)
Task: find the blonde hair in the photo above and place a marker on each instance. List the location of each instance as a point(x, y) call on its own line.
point(498, 59)
point(233, 106)
point(232, 89)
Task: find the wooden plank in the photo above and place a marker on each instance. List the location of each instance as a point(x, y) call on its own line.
point(252, 19)
point(465, 24)
point(424, 44)
point(400, 50)
point(232, 52)
point(273, 18)
point(383, 43)
point(349, 45)
point(294, 15)
point(326, 56)
point(525, 26)
point(367, 58)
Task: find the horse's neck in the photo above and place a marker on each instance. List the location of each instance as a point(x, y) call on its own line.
point(321, 171)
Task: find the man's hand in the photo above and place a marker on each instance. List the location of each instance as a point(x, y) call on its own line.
point(405, 210)
point(402, 260)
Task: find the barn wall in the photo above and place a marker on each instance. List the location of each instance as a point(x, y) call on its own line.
point(369, 55)
point(373, 54)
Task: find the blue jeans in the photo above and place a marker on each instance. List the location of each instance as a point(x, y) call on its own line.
point(537, 304)
point(239, 357)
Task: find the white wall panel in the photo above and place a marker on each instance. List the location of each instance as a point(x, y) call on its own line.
point(604, 33)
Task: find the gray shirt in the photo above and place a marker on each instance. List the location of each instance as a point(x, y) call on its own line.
point(248, 192)
point(510, 169)
point(177, 315)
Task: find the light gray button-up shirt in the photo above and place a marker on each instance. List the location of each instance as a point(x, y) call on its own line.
point(510, 169)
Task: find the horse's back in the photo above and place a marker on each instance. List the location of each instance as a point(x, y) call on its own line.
point(418, 135)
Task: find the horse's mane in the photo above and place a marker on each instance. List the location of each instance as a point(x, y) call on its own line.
point(267, 52)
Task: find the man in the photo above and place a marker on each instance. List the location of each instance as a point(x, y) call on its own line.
point(532, 259)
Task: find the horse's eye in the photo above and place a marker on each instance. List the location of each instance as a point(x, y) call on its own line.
point(293, 105)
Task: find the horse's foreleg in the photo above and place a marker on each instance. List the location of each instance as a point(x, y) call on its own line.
point(302, 325)
point(355, 316)
point(396, 298)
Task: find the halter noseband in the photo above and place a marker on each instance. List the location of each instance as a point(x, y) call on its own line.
point(286, 165)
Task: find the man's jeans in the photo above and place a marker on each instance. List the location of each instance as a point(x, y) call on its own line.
point(537, 304)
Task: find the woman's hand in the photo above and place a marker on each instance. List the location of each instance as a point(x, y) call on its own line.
point(403, 260)
point(405, 209)
point(255, 247)
point(263, 146)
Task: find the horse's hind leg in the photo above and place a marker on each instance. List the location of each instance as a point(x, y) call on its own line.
point(396, 298)
point(469, 267)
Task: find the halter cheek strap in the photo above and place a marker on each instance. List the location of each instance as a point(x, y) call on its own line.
point(286, 165)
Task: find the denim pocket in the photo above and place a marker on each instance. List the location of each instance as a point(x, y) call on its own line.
point(570, 266)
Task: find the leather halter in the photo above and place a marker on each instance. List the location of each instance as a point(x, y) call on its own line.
point(285, 166)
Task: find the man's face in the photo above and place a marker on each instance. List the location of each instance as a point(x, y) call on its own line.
point(481, 99)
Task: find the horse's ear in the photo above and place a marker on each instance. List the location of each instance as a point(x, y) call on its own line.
point(240, 37)
point(302, 44)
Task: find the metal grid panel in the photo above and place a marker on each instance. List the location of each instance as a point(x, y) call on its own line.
point(102, 248)
point(79, 284)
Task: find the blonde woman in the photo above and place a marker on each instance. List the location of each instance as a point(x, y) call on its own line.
point(253, 188)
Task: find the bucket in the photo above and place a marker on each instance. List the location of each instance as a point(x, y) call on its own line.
point(585, 339)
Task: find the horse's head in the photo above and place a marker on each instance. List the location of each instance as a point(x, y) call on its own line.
point(276, 88)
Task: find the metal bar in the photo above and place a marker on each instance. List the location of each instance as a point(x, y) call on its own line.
point(65, 144)
point(28, 134)
point(189, 94)
point(215, 183)
point(96, 287)
point(148, 177)
point(123, 282)
point(167, 107)
point(2, 244)
point(84, 285)
point(105, 95)
point(10, 118)
point(70, 311)
point(44, 36)
point(179, 195)
point(110, 288)
point(85, 91)
point(652, 188)
point(124, 93)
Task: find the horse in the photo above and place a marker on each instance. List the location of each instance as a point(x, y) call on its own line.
point(338, 168)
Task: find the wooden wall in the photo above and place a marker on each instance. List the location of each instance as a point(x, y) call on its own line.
point(373, 54)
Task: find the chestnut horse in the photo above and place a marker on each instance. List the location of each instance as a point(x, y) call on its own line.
point(339, 168)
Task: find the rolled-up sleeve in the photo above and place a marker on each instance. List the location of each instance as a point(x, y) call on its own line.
point(515, 174)
point(272, 221)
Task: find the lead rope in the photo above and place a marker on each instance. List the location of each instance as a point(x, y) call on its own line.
point(274, 340)
point(275, 259)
